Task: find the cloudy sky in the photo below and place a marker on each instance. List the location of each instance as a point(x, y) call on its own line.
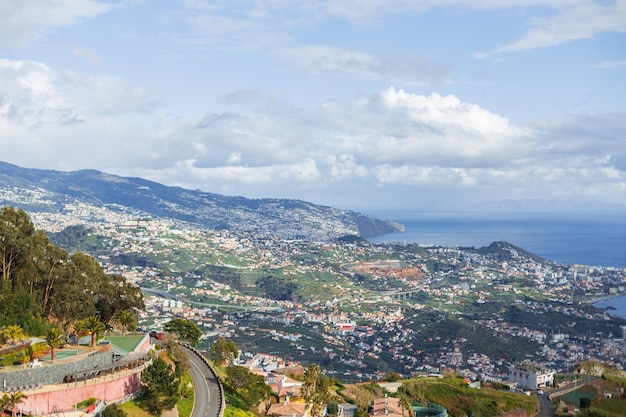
point(361, 104)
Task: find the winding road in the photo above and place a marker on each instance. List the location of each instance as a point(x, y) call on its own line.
point(208, 400)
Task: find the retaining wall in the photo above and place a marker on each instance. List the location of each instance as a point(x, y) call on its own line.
point(49, 374)
point(63, 397)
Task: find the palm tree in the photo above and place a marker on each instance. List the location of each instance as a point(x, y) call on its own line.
point(310, 389)
point(125, 318)
point(5, 400)
point(91, 326)
point(16, 398)
point(14, 333)
point(54, 338)
point(405, 403)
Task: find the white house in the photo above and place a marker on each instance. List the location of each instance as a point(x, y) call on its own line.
point(531, 376)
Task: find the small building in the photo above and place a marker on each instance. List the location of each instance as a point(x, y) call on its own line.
point(531, 376)
point(387, 407)
point(288, 410)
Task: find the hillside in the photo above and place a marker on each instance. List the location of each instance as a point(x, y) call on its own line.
point(57, 192)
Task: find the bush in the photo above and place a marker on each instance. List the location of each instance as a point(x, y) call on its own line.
point(113, 411)
point(87, 402)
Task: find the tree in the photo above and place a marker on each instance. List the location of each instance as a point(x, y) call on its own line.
point(186, 330)
point(14, 333)
point(249, 387)
point(54, 339)
point(405, 403)
point(15, 399)
point(4, 403)
point(160, 387)
point(91, 326)
point(315, 389)
point(126, 319)
point(224, 351)
point(113, 411)
point(333, 408)
point(114, 293)
point(39, 280)
point(16, 230)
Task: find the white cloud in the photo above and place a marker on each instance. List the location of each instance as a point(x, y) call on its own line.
point(393, 138)
point(551, 22)
point(322, 59)
point(23, 21)
point(580, 21)
point(611, 64)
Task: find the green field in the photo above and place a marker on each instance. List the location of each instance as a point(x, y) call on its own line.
point(574, 397)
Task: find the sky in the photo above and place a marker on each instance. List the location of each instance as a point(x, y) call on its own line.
point(356, 104)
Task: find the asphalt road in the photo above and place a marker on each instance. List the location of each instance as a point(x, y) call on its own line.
point(207, 400)
point(546, 409)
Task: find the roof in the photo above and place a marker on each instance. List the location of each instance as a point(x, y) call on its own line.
point(287, 410)
point(387, 407)
point(533, 369)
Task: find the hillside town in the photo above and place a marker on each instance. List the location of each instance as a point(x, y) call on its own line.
point(410, 315)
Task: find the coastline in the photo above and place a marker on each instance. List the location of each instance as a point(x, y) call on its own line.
point(605, 298)
point(613, 305)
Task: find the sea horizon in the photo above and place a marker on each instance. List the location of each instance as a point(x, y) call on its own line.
point(592, 241)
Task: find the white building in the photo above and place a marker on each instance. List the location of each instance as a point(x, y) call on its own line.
point(531, 376)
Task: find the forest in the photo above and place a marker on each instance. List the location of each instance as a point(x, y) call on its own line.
point(42, 283)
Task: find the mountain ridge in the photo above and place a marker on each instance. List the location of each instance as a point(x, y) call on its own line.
point(284, 218)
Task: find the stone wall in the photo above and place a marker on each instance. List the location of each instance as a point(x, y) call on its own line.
point(54, 373)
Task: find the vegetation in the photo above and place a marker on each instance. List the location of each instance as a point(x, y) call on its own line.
point(39, 280)
point(250, 389)
point(222, 274)
point(113, 410)
point(278, 288)
point(91, 326)
point(223, 351)
point(315, 389)
point(160, 387)
point(10, 401)
point(459, 399)
point(126, 319)
point(54, 339)
point(186, 330)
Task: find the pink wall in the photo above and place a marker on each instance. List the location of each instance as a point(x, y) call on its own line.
point(144, 346)
point(65, 396)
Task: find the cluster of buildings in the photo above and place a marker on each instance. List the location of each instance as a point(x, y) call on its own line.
point(369, 301)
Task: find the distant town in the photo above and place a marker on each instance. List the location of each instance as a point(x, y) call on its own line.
point(359, 309)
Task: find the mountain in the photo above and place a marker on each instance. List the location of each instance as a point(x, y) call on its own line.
point(88, 192)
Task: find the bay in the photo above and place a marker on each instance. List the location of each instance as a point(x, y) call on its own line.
point(617, 303)
point(588, 241)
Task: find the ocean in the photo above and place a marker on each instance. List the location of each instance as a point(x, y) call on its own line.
point(598, 241)
point(618, 303)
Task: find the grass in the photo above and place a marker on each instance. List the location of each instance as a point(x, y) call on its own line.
point(574, 397)
point(185, 406)
point(615, 407)
point(132, 410)
point(459, 399)
point(128, 343)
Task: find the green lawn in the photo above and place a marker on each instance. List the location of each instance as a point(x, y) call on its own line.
point(574, 397)
point(128, 343)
